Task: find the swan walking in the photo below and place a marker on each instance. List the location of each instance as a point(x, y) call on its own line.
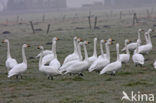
point(79, 66)
point(51, 70)
point(19, 69)
point(10, 62)
point(113, 67)
point(102, 60)
point(125, 57)
point(132, 46)
point(137, 58)
point(48, 58)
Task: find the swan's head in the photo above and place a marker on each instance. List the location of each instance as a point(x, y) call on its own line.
point(40, 47)
point(150, 30)
point(26, 45)
point(79, 40)
point(86, 42)
point(127, 41)
point(140, 30)
point(5, 41)
point(95, 39)
point(102, 41)
point(146, 33)
point(110, 39)
point(55, 39)
point(75, 38)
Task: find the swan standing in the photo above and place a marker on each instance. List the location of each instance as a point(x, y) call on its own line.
point(102, 61)
point(63, 67)
point(132, 46)
point(10, 62)
point(48, 58)
point(19, 69)
point(51, 70)
point(137, 58)
point(94, 57)
point(145, 49)
point(113, 67)
point(79, 66)
point(125, 57)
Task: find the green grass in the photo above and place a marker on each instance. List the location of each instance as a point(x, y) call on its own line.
point(91, 88)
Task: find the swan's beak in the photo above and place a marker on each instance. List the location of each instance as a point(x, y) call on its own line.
point(38, 47)
point(129, 41)
point(28, 45)
point(112, 39)
point(80, 39)
point(3, 41)
point(88, 42)
point(142, 30)
point(105, 41)
point(57, 39)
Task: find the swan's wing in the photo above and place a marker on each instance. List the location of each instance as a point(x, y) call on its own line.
point(45, 52)
point(55, 63)
point(17, 69)
point(71, 57)
point(132, 46)
point(92, 59)
point(11, 63)
point(47, 59)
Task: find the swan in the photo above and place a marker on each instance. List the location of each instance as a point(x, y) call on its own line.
point(137, 58)
point(63, 67)
point(47, 52)
point(154, 64)
point(102, 61)
point(113, 67)
point(94, 57)
point(132, 46)
point(74, 55)
point(20, 68)
point(145, 49)
point(125, 57)
point(10, 62)
point(51, 70)
point(48, 58)
point(79, 66)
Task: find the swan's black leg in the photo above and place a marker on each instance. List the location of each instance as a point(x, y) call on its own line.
point(51, 77)
point(16, 76)
point(80, 74)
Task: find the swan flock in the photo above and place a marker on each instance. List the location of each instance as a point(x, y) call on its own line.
point(75, 63)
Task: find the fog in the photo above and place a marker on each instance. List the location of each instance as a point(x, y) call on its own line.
point(10, 5)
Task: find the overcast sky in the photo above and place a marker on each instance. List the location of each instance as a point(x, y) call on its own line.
point(78, 3)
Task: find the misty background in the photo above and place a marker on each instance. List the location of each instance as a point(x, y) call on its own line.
point(13, 5)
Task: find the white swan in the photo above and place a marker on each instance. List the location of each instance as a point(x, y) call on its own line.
point(74, 55)
point(132, 46)
point(94, 57)
point(19, 69)
point(46, 52)
point(51, 70)
point(63, 67)
point(10, 62)
point(145, 49)
point(154, 64)
point(125, 57)
point(113, 67)
point(137, 58)
point(102, 61)
point(48, 58)
point(79, 66)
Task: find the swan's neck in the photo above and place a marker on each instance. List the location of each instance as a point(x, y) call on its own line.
point(75, 46)
point(101, 47)
point(127, 51)
point(8, 50)
point(23, 55)
point(146, 38)
point(85, 51)
point(95, 52)
point(107, 51)
point(149, 38)
point(79, 52)
point(40, 61)
point(54, 49)
point(137, 49)
point(139, 38)
point(117, 49)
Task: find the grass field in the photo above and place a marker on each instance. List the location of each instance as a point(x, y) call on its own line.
point(91, 88)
